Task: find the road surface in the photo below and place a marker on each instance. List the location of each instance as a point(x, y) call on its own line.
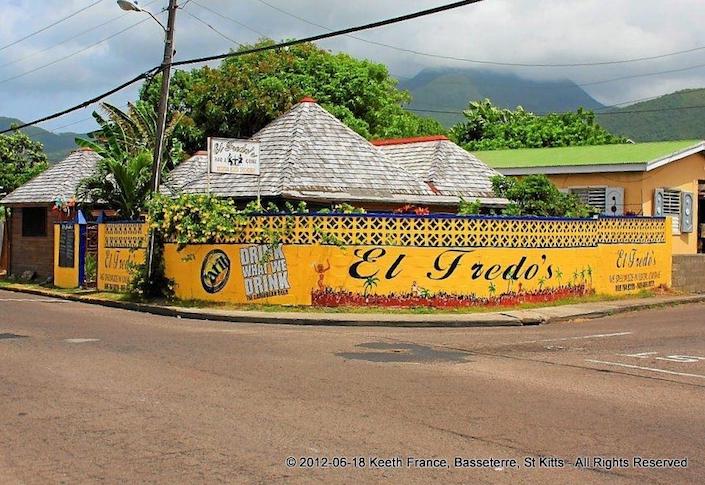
point(92, 394)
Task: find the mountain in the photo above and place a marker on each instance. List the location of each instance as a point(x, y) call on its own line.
point(452, 89)
point(56, 145)
point(657, 120)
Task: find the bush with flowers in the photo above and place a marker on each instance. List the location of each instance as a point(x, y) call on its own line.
point(196, 219)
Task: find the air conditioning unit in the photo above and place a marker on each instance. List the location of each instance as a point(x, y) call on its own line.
point(608, 200)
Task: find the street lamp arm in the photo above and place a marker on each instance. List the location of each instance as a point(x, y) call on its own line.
point(155, 19)
point(130, 6)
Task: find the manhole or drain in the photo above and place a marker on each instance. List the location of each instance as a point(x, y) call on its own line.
point(7, 336)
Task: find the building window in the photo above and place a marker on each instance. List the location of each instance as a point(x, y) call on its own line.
point(34, 222)
point(607, 200)
point(672, 207)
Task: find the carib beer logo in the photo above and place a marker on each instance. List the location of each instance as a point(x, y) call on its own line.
point(215, 271)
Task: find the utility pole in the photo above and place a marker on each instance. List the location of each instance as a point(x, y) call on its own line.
point(161, 121)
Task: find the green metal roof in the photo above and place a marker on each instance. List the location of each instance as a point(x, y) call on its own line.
point(584, 155)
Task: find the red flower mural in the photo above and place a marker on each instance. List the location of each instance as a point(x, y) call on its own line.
point(337, 298)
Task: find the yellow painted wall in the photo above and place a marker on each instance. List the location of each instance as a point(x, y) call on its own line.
point(639, 190)
point(66, 277)
point(306, 274)
point(119, 246)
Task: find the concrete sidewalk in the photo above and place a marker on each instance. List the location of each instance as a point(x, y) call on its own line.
point(508, 318)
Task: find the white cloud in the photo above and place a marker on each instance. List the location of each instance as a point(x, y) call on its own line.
point(525, 31)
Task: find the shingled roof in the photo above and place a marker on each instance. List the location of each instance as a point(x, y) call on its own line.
point(309, 154)
point(61, 180)
point(446, 167)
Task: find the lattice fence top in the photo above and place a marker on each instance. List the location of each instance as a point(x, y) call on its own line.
point(421, 231)
point(455, 231)
point(127, 235)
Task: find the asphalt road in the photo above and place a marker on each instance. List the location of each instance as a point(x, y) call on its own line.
point(92, 394)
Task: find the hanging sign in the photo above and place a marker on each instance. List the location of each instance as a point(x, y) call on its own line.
point(228, 155)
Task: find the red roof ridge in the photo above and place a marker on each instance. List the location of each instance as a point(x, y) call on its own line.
point(200, 152)
point(404, 141)
point(308, 99)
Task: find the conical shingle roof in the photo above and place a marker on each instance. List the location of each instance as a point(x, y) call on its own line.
point(308, 153)
point(448, 168)
point(59, 181)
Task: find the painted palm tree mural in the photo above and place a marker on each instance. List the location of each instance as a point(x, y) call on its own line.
point(370, 283)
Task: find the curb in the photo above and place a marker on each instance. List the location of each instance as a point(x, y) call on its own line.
point(516, 318)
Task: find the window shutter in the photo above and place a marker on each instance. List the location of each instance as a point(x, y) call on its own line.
point(672, 207)
point(687, 212)
point(592, 196)
point(658, 203)
point(614, 201)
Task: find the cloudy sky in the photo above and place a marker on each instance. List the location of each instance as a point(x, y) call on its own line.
point(103, 46)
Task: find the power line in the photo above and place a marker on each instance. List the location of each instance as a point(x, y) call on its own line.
point(73, 14)
point(212, 28)
point(80, 51)
point(604, 113)
point(86, 103)
point(280, 45)
point(34, 54)
point(230, 19)
point(439, 56)
point(479, 61)
point(337, 33)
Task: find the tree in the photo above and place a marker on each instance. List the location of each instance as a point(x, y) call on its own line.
point(21, 159)
point(488, 127)
point(128, 133)
point(535, 195)
point(122, 183)
point(243, 94)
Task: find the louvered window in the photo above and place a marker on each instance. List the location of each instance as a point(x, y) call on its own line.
point(672, 207)
point(592, 196)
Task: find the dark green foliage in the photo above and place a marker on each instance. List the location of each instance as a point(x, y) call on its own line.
point(56, 145)
point(657, 120)
point(487, 127)
point(244, 94)
point(121, 182)
point(158, 286)
point(535, 195)
point(469, 208)
point(20, 160)
point(128, 133)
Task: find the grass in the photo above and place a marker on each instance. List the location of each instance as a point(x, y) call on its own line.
point(195, 304)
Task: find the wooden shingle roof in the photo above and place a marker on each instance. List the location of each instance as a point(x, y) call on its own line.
point(59, 181)
point(449, 169)
point(307, 153)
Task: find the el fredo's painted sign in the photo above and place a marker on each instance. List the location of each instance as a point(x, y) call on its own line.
point(227, 155)
point(418, 276)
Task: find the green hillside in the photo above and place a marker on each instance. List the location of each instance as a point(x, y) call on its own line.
point(656, 120)
point(56, 145)
point(453, 89)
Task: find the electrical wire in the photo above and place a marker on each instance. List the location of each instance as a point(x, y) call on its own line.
point(32, 34)
point(478, 61)
point(581, 85)
point(144, 75)
point(34, 54)
point(222, 15)
point(212, 28)
point(337, 33)
point(61, 59)
point(86, 103)
point(602, 113)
